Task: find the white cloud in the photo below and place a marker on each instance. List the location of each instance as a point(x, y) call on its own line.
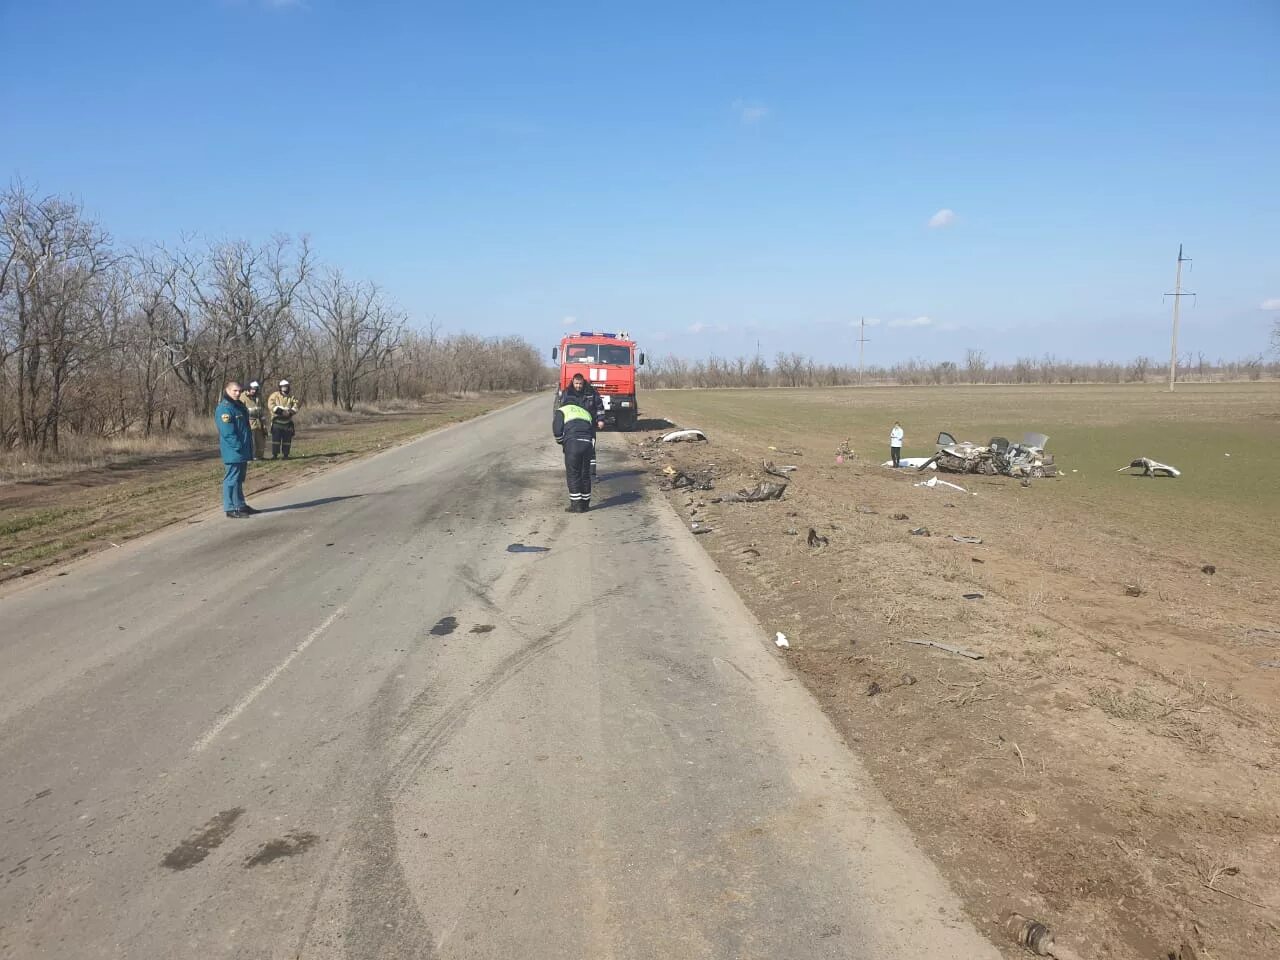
point(1272, 304)
point(912, 322)
point(748, 113)
point(697, 327)
point(943, 218)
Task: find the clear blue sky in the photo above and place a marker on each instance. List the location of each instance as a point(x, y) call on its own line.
point(704, 175)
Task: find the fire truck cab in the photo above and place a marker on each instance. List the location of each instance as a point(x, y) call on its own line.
point(608, 362)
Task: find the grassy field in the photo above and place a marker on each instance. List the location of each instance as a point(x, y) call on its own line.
point(71, 513)
point(1220, 501)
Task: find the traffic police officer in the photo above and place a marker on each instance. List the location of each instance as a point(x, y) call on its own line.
point(585, 395)
point(575, 430)
point(235, 441)
point(283, 406)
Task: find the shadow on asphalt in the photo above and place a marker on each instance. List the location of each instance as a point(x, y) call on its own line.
point(306, 456)
point(618, 475)
point(306, 504)
point(617, 500)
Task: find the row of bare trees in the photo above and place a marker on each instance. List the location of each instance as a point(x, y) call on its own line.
point(797, 370)
point(103, 341)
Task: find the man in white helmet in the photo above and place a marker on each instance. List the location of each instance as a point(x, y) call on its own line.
point(252, 400)
point(283, 406)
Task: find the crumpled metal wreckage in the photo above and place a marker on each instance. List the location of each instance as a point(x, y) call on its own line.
point(998, 456)
point(1151, 468)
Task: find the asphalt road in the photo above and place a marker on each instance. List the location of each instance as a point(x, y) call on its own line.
point(360, 726)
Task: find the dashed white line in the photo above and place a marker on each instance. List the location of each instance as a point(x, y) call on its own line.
point(266, 681)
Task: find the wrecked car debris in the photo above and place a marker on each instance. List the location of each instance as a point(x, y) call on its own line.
point(934, 482)
point(673, 479)
point(773, 471)
point(1151, 468)
point(920, 463)
point(967, 539)
point(781, 640)
point(921, 532)
point(1036, 937)
point(761, 492)
point(899, 516)
point(999, 456)
point(947, 647)
point(816, 539)
point(681, 436)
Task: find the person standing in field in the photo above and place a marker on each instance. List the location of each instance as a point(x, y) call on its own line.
point(895, 442)
point(284, 407)
point(252, 400)
point(235, 442)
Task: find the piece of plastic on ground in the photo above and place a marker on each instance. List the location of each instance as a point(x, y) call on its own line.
point(676, 436)
point(935, 482)
point(781, 640)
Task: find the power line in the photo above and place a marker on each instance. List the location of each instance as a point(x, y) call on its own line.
point(862, 340)
point(1177, 304)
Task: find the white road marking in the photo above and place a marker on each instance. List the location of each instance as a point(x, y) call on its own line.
point(252, 695)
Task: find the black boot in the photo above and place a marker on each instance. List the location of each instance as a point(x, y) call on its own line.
point(584, 506)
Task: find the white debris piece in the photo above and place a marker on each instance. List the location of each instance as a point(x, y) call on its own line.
point(1151, 468)
point(781, 640)
point(916, 462)
point(676, 436)
point(935, 482)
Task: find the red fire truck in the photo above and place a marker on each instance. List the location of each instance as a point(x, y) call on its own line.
point(608, 361)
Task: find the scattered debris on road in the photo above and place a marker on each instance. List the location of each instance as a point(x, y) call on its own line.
point(816, 539)
point(1151, 468)
point(781, 640)
point(1209, 568)
point(1133, 590)
point(921, 532)
point(973, 540)
point(526, 548)
point(972, 596)
point(899, 516)
point(782, 472)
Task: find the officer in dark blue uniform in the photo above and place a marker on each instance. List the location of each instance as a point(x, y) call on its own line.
point(235, 438)
point(585, 395)
point(575, 429)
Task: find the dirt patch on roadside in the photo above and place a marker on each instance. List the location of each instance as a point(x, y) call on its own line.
point(1111, 766)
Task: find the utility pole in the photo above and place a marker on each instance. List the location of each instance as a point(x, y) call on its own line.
point(862, 341)
point(1177, 304)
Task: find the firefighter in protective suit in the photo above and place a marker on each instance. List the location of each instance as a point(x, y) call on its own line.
point(283, 406)
point(252, 400)
point(575, 430)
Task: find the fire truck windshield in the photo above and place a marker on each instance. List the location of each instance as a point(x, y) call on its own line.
point(603, 353)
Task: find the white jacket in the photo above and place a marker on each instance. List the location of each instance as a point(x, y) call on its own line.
point(895, 437)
